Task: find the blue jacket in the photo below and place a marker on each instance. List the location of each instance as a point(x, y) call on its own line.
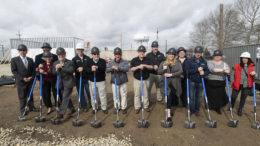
point(192, 69)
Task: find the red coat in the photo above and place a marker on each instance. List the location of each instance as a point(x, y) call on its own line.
point(237, 76)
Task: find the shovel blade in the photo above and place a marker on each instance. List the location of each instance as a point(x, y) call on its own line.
point(143, 124)
point(166, 124)
point(55, 121)
point(189, 125)
point(232, 123)
point(77, 123)
point(96, 124)
point(118, 124)
point(211, 124)
point(40, 119)
point(256, 126)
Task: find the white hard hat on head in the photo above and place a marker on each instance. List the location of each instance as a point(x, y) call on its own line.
point(245, 55)
point(80, 46)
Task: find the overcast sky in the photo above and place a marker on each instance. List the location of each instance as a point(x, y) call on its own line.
point(102, 21)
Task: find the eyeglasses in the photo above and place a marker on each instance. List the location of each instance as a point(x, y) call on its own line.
point(95, 54)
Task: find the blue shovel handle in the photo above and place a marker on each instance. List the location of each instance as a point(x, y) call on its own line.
point(41, 86)
point(204, 89)
point(80, 84)
point(165, 88)
point(29, 98)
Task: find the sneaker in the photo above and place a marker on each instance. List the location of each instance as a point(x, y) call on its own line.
point(72, 111)
point(197, 113)
point(105, 111)
point(239, 112)
point(124, 111)
point(59, 116)
point(147, 109)
point(137, 111)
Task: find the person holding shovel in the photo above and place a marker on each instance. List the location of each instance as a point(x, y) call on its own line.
point(65, 69)
point(196, 68)
point(23, 69)
point(80, 64)
point(118, 69)
point(49, 80)
point(96, 68)
point(141, 67)
point(216, 82)
point(172, 69)
point(242, 75)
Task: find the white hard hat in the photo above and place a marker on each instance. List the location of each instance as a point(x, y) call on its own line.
point(79, 46)
point(245, 55)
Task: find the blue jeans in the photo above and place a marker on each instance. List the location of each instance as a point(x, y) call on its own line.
point(195, 95)
point(85, 85)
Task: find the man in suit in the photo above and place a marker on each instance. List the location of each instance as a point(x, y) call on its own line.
point(23, 69)
point(65, 69)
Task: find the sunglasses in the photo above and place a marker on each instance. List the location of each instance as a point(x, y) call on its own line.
point(95, 54)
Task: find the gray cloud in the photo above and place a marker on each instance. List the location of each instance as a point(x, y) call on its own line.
point(102, 21)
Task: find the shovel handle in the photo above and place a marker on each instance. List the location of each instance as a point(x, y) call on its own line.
point(80, 85)
point(30, 95)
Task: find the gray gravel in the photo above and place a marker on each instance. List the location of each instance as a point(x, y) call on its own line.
point(41, 137)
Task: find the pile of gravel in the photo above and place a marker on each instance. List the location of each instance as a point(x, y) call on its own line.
point(41, 136)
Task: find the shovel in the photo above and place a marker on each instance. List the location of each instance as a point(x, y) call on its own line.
point(95, 123)
point(232, 122)
point(78, 122)
point(256, 124)
point(189, 124)
point(22, 118)
point(142, 123)
point(209, 123)
point(165, 123)
point(40, 118)
point(55, 120)
point(117, 123)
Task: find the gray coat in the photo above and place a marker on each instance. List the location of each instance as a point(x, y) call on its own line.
point(175, 80)
point(121, 75)
point(66, 74)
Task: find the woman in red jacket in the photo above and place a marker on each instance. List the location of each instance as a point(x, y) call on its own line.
point(242, 80)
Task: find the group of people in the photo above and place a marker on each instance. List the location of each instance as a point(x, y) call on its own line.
point(151, 69)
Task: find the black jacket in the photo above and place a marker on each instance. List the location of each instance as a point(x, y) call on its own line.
point(38, 59)
point(66, 74)
point(192, 69)
point(78, 63)
point(156, 59)
point(100, 72)
point(19, 71)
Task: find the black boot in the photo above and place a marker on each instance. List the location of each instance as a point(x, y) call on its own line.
point(239, 112)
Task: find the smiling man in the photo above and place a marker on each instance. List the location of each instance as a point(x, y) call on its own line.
point(23, 69)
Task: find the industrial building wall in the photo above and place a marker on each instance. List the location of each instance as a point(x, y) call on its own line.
point(232, 55)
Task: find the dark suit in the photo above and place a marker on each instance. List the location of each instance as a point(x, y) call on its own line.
point(66, 83)
point(23, 88)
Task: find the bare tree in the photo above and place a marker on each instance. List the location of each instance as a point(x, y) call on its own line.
point(200, 36)
point(207, 31)
point(250, 13)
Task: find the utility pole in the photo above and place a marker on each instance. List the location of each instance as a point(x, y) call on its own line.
point(220, 39)
point(19, 35)
point(166, 47)
point(121, 41)
point(157, 34)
